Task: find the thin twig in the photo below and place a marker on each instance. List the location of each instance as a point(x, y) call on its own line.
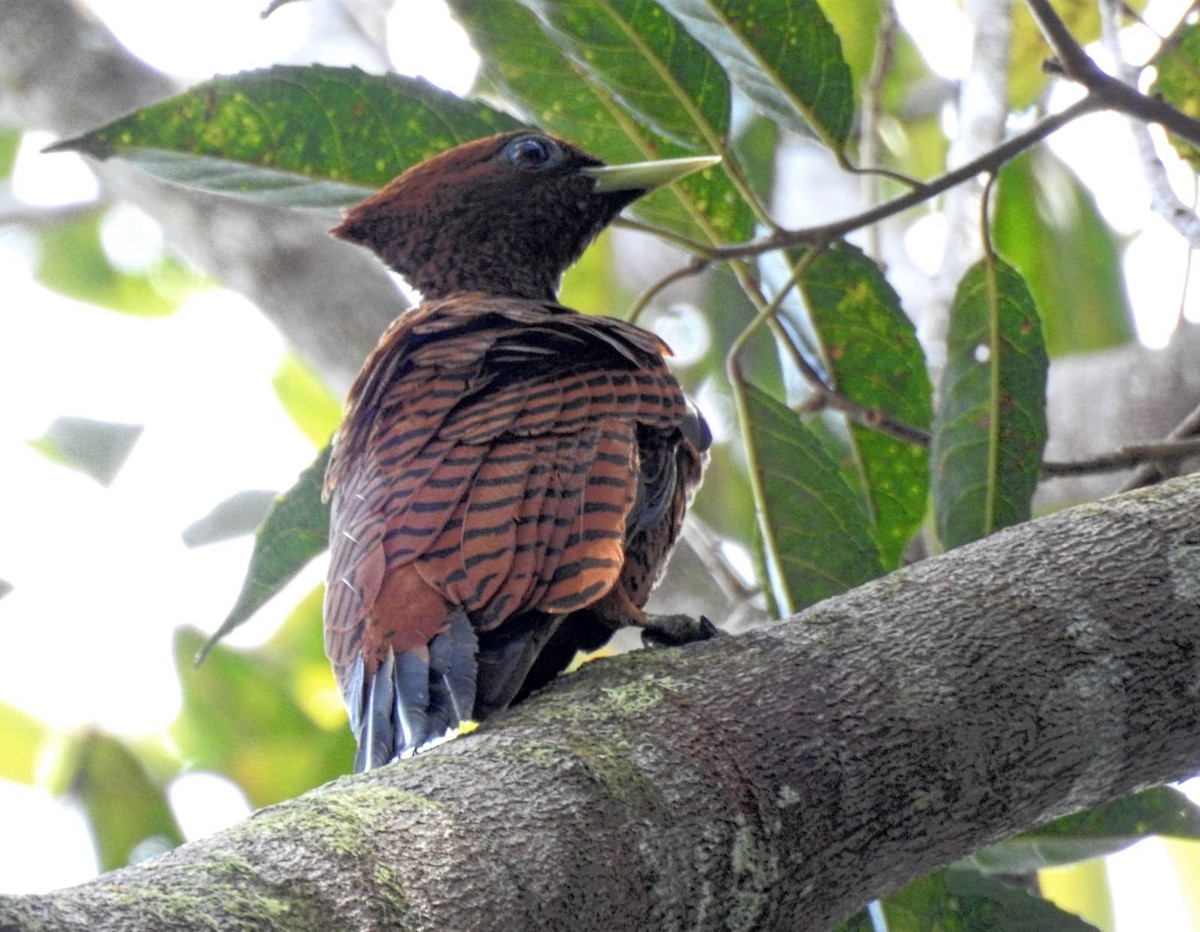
point(17, 213)
point(695, 267)
point(1113, 93)
point(1151, 473)
point(1163, 200)
point(988, 162)
point(1133, 454)
point(872, 105)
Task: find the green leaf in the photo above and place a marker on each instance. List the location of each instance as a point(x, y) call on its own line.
point(24, 738)
point(647, 62)
point(816, 534)
point(564, 97)
point(311, 406)
point(965, 901)
point(295, 530)
point(1027, 78)
point(1178, 66)
point(1095, 833)
point(856, 24)
point(871, 353)
point(990, 425)
point(127, 809)
point(784, 56)
point(247, 715)
point(72, 261)
point(293, 136)
point(10, 142)
point(241, 513)
point(95, 448)
point(1042, 210)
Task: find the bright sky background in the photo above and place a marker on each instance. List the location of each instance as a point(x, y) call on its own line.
point(122, 557)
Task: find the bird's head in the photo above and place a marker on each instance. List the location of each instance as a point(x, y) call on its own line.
point(503, 215)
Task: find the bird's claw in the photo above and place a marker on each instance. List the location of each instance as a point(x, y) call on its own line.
point(674, 630)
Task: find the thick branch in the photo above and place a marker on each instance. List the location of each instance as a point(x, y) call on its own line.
point(773, 780)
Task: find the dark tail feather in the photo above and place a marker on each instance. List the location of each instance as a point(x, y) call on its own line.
point(579, 631)
point(505, 656)
point(409, 702)
point(377, 732)
point(394, 717)
point(452, 672)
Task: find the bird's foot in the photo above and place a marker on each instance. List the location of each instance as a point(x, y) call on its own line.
point(673, 630)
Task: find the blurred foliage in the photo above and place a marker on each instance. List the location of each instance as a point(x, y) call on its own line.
point(824, 501)
point(1047, 226)
point(24, 739)
point(10, 142)
point(72, 260)
point(269, 719)
point(125, 805)
point(313, 408)
point(95, 448)
point(1178, 68)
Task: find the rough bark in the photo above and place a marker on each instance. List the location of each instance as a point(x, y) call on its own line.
point(774, 780)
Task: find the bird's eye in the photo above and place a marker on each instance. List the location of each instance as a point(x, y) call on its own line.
point(532, 152)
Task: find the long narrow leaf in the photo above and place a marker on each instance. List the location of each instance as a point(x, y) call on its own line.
point(815, 529)
point(295, 530)
point(1161, 810)
point(297, 137)
point(990, 425)
point(870, 351)
point(1043, 209)
point(786, 58)
point(966, 901)
point(553, 90)
point(648, 62)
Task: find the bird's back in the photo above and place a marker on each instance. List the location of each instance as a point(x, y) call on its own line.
point(505, 464)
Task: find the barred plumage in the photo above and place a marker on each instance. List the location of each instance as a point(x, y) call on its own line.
point(505, 463)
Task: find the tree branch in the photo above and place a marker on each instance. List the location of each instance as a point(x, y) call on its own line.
point(778, 779)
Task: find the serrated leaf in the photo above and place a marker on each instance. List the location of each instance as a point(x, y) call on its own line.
point(127, 810)
point(310, 136)
point(871, 353)
point(965, 901)
point(311, 406)
point(241, 513)
point(295, 530)
point(816, 535)
point(95, 448)
point(1095, 833)
point(784, 56)
point(989, 428)
point(1178, 82)
point(1042, 209)
point(23, 738)
point(562, 96)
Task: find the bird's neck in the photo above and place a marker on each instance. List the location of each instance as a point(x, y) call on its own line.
point(511, 281)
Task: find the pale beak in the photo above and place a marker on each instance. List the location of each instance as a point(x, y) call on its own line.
point(646, 176)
